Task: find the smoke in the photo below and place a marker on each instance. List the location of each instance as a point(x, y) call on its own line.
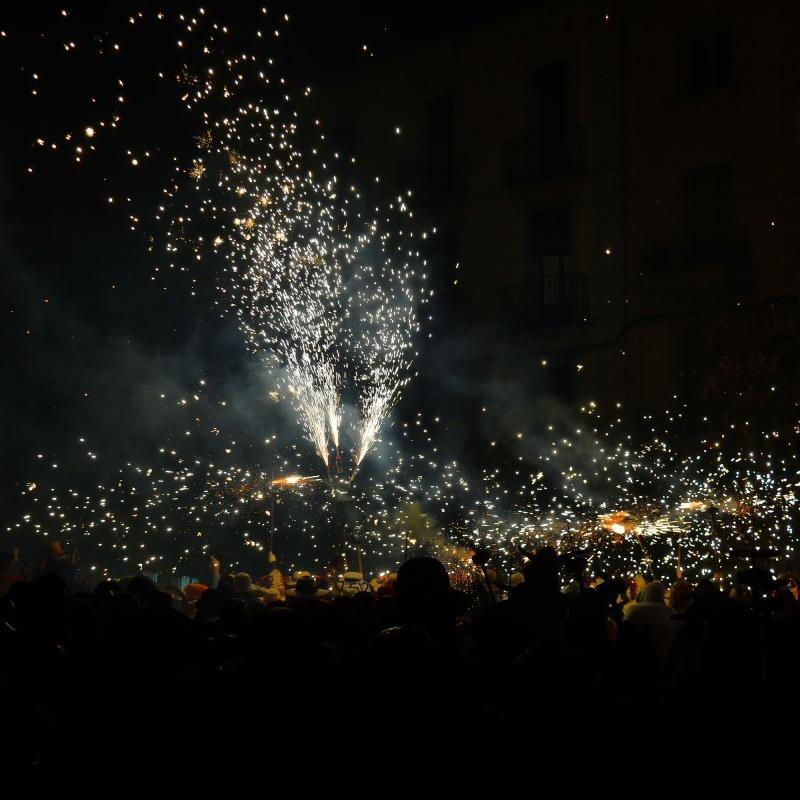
point(70, 376)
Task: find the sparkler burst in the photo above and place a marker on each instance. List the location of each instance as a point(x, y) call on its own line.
point(327, 295)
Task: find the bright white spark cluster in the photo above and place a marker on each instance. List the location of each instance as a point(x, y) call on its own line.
point(328, 293)
point(331, 295)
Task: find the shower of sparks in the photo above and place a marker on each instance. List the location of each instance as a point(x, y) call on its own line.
point(647, 506)
point(326, 294)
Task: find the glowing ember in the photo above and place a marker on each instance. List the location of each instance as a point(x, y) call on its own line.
point(295, 480)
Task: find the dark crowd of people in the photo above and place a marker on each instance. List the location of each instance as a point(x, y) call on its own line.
point(129, 671)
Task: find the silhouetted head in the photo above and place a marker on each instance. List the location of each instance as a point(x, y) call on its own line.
point(143, 589)
point(611, 589)
point(422, 578)
point(209, 605)
point(682, 595)
point(424, 593)
point(542, 570)
point(707, 592)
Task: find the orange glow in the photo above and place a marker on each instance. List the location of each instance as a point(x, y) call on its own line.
point(617, 522)
point(290, 481)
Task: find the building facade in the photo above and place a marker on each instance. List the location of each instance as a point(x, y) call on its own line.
point(618, 184)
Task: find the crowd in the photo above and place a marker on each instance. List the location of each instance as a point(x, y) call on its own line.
point(131, 669)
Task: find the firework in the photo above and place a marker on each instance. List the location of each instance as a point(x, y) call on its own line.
point(326, 295)
point(294, 480)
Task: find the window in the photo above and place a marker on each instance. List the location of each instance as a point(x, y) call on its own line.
point(551, 256)
point(546, 149)
point(708, 208)
point(554, 271)
point(558, 292)
point(550, 118)
point(705, 59)
point(552, 295)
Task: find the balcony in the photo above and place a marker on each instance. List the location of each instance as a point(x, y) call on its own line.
point(552, 301)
